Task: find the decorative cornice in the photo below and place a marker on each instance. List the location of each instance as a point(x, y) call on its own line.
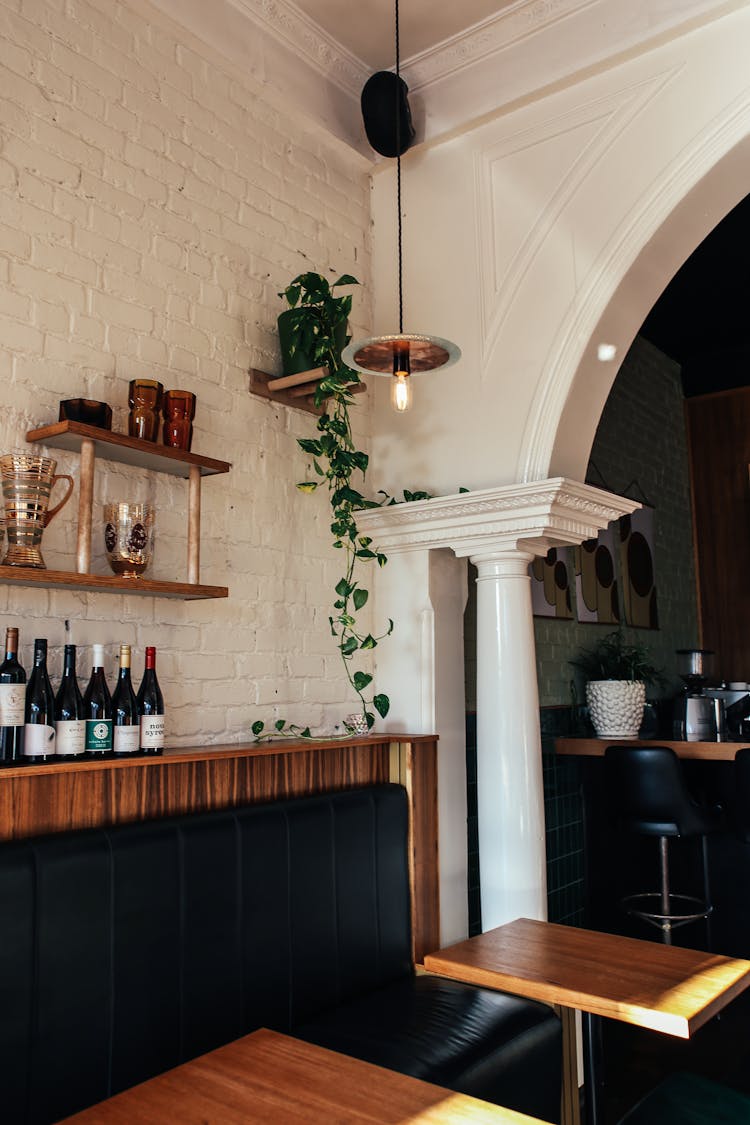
point(512, 55)
point(289, 25)
point(529, 518)
point(499, 31)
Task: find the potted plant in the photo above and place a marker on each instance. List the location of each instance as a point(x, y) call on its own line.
point(617, 672)
point(312, 330)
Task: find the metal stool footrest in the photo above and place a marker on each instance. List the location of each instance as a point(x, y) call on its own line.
point(682, 914)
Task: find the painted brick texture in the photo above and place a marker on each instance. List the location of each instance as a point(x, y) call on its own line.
point(152, 203)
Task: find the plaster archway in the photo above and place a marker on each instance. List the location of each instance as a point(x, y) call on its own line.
point(561, 446)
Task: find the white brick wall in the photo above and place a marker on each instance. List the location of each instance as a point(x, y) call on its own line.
point(152, 202)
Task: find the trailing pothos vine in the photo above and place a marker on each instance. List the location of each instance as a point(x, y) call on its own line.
point(336, 462)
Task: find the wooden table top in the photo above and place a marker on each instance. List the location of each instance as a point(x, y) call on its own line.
point(272, 1078)
point(595, 747)
point(657, 986)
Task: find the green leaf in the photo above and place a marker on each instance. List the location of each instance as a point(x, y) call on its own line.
point(257, 727)
point(350, 645)
point(462, 489)
point(382, 705)
point(365, 541)
point(280, 724)
point(305, 733)
point(368, 642)
point(307, 486)
point(382, 560)
point(361, 680)
point(345, 279)
point(310, 445)
point(370, 719)
point(318, 469)
point(366, 553)
point(343, 588)
point(360, 597)
point(390, 627)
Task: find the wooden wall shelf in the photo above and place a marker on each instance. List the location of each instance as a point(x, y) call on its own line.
point(112, 584)
point(294, 390)
point(126, 450)
point(87, 441)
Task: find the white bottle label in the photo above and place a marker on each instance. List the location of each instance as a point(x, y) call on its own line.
point(126, 740)
point(12, 704)
point(70, 736)
point(38, 739)
point(152, 732)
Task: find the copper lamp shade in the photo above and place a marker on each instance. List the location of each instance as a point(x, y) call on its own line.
point(375, 355)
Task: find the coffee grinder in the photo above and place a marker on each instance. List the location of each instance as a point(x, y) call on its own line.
point(697, 717)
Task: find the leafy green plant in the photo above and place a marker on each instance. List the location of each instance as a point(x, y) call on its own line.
point(614, 658)
point(315, 326)
point(337, 463)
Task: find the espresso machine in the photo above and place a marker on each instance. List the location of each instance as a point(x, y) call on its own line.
point(698, 716)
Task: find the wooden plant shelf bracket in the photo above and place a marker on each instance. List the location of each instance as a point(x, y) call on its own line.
point(297, 391)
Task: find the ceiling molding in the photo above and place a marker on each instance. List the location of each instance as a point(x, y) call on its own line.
point(312, 45)
point(511, 56)
point(497, 32)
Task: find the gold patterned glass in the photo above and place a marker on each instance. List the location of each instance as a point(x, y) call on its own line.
point(129, 537)
point(28, 481)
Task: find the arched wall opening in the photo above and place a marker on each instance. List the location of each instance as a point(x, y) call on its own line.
point(721, 187)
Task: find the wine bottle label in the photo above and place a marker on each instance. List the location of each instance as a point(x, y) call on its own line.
point(126, 740)
point(12, 704)
point(152, 732)
point(70, 736)
point(99, 735)
point(39, 739)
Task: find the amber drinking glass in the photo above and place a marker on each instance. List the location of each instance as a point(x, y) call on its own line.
point(145, 399)
point(179, 411)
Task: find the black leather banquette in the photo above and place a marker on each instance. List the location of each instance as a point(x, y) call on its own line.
point(128, 950)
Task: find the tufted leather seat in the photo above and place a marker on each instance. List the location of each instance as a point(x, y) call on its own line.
point(126, 951)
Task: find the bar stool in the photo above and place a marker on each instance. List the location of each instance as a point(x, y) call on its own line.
point(649, 793)
point(741, 795)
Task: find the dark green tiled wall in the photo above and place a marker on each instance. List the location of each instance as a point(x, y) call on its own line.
point(564, 819)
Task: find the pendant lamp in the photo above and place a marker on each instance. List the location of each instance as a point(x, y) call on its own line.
point(402, 354)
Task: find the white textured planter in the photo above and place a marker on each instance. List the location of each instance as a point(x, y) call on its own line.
point(616, 707)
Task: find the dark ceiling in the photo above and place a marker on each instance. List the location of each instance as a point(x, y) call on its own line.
point(698, 319)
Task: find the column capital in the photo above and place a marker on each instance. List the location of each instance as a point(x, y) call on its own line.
point(502, 522)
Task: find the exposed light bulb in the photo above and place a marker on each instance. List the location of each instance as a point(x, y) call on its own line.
point(401, 392)
point(401, 383)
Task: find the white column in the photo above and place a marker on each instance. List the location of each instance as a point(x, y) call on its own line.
point(501, 529)
point(509, 764)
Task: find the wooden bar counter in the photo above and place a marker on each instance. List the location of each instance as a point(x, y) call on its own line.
point(62, 797)
point(595, 747)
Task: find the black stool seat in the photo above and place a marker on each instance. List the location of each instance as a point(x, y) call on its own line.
point(741, 797)
point(687, 1099)
point(651, 798)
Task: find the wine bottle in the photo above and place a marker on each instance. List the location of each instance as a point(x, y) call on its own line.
point(151, 708)
point(70, 722)
point(39, 728)
point(97, 708)
point(125, 710)
point(12, 702)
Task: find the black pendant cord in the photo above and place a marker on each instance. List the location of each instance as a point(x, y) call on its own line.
point(398, 182)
